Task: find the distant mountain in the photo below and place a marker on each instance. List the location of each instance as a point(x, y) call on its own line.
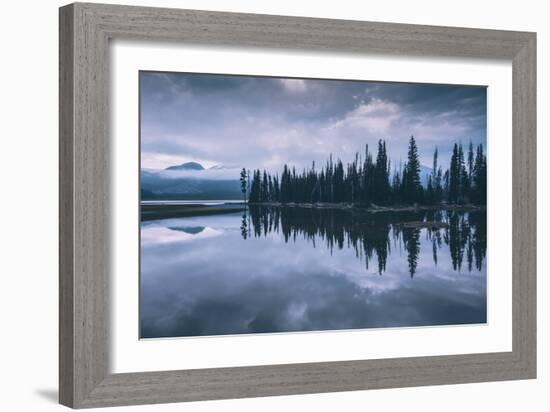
point(186, 166)
point(190, 181)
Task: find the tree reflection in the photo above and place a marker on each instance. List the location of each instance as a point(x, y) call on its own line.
point(244, 226)
point(411, 239)
point(371, 235)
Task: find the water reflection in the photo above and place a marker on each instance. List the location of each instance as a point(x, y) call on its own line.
point(290, 269)
point(374, 234)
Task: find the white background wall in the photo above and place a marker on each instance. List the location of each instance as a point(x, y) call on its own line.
point(28, 205)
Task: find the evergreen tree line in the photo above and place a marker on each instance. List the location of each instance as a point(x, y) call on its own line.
point(367, 180)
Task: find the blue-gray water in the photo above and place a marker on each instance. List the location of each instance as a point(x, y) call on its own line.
point(191, 202)
point(282, 270)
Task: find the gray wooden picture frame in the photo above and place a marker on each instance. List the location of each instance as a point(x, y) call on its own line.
point(85, 32)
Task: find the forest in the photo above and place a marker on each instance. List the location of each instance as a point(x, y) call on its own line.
point(369, 180)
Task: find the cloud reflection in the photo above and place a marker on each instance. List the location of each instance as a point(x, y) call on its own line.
point(229, 285)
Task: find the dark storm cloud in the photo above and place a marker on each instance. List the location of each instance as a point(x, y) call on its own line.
point(251, 122)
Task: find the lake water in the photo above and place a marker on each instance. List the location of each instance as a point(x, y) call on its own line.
point(293, 269)
point(190, 202)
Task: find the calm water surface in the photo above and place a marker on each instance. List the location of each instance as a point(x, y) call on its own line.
point(292, 269)
point(191, 202)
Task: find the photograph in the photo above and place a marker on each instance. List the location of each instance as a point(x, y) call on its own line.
point(282, 205)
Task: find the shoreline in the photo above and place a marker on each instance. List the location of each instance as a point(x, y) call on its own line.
point(167, 211)
point(372, 208)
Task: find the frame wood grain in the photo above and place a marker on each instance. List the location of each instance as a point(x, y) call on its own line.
point(85, 31)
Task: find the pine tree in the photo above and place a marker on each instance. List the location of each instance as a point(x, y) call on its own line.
point(264, 189)
point(436, 179)
point(338, 181)
point(367, 178)
point(285, 183)
point(404, 182)
point(463, 181)
point(294, 186)
point(470, 162)
point(276, 194)
point(254, 194)
point(447, 185)
point(381, 177)
point(454, 179)
point(243, 182)
point(480, 177)
point(439, 192)
point(270, 189)
point(412, 183)
point(248, 183)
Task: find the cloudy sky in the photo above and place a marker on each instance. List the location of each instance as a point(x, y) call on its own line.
point(260, 122)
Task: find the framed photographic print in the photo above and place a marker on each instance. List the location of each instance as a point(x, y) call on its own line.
point(258, 205)
point(243, 185)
